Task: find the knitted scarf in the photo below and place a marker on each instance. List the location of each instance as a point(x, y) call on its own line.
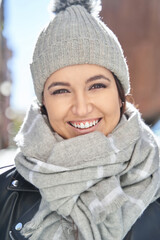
point(92, 185)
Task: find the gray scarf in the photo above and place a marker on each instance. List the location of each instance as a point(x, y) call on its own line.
point(91, 185)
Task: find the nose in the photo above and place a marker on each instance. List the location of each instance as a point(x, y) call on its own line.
point(82, 106)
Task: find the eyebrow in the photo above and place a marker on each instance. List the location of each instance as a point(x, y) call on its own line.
point(96, 77)
point(58, 84)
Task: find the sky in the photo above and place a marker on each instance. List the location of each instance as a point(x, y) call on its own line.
point(24, 20)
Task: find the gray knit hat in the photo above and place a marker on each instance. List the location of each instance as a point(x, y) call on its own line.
point(76, 35)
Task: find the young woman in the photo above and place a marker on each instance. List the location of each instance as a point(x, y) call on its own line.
point(87, 166)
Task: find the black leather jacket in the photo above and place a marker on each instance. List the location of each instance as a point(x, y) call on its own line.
point(19, 201)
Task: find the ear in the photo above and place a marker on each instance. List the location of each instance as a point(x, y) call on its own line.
point(120, 103)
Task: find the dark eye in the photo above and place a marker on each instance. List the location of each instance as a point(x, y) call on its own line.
point(60, 91)
point(97, 85)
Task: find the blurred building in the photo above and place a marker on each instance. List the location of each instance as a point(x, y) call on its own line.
point(137, 25)
point(5, 84)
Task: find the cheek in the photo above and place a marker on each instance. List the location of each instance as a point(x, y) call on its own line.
point(54, 113)
point(109, 103)
point(56, 110)
point(56, 119)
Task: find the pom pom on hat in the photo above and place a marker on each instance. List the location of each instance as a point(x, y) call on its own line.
point(92, 6)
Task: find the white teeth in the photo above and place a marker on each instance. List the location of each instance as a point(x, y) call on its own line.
point(81, 125)
point(85, 125)
point(90, 124)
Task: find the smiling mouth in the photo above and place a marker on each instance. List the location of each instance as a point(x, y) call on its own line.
point(84, 124)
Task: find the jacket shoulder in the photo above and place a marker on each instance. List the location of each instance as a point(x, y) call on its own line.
point(6, 159)
point(6, 174)
point(18, 198)
point(148, 225)
point(4, 168)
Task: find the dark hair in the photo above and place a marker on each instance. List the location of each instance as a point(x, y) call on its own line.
point(121, 94)
point(43, 110)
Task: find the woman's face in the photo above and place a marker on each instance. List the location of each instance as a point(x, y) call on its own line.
point(81, 99)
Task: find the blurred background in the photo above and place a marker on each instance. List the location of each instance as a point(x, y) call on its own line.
point(137, 25)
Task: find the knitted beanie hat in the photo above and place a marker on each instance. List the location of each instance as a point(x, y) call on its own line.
point(76, 35)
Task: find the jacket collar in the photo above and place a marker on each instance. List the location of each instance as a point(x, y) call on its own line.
point(18, 183)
